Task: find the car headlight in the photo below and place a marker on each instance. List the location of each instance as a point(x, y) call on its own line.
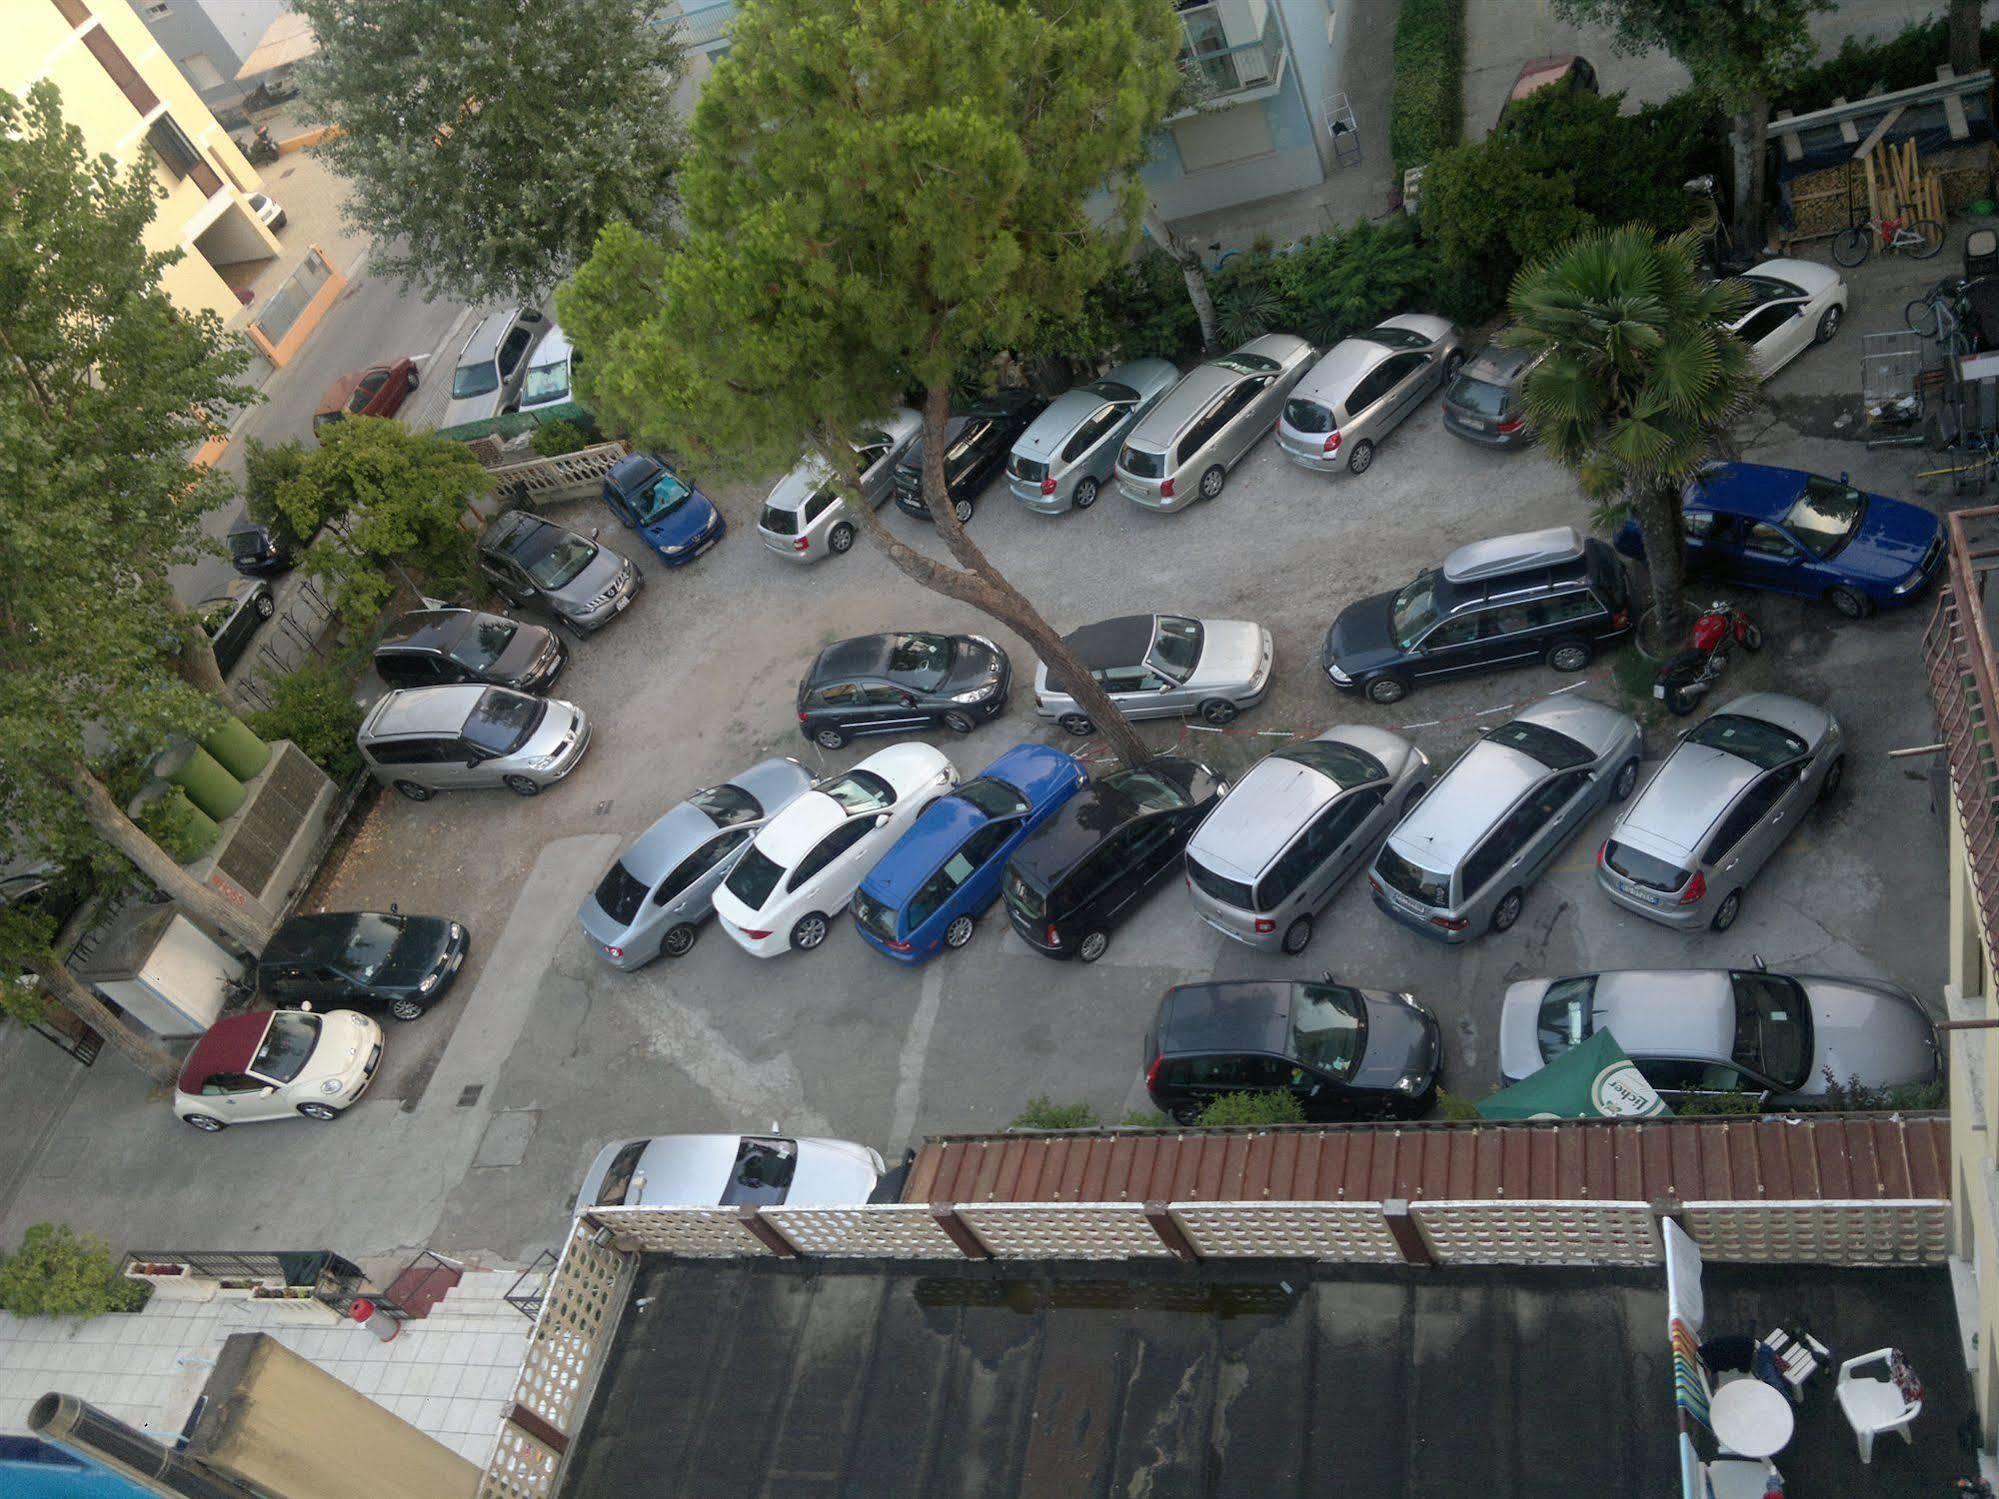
point(1910, 583)
point(429, 983)
point(674, 551)
point(1410, 1086)
point(333, 1085)
point(1337, 675)
point(976, 695)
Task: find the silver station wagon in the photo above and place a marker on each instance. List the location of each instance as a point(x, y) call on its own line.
point(1363, 389)
point(1185, 446)
point(1460, 864)
point(1728, 795)
point(1163, 666)
point(805, 520)
point(1295, 829)
point(1065, 458)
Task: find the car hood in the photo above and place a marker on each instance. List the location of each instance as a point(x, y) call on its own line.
point(1519, 1015)
point(1231, 653)
point(1875, 1032)
point(690, 519)
point(558, 724)
point(1359, 640)
point(1893, 538)
point(832, 1173)
point(598, 574)
point(976, 663)
point(416, 952)
point(521, 654)
point(1400, 1040)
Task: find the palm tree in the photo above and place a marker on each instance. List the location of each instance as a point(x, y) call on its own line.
point(1640, 378)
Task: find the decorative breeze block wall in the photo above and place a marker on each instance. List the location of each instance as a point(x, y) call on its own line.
point(1888, 1232)
point(1347, 1231)
point(1553, 1232)
point(706, 1233)
point(886, 1230)
point(1064, 1230)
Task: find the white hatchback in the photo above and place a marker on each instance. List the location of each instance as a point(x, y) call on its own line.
point(805, 865)
point(1793, 305)
point(277, 1064)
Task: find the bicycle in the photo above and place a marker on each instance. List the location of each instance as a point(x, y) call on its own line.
point(1943, 313)
point(1918, 238)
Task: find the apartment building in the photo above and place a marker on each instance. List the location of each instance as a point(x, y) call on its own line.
point(209, 40)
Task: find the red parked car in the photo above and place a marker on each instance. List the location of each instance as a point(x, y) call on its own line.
point(372, 392)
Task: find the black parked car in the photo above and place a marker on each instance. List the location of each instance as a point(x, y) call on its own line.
point(231, 618)
point(883, 684)
point(1339, 1051)
point(1086, 868)
point(976, 442)
point(259, 551)
point(1544, 596)
point(429, 647)
point(360, 960)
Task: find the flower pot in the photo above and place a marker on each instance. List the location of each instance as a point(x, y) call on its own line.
point(283, 1306)
point(171, 1282)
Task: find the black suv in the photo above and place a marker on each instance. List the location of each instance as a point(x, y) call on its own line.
point(1539, 596)
point(433, 647)
point(883, 684)
point(360, 960)
point(1086, 868)
point(1339, 1051)
point(976, 442)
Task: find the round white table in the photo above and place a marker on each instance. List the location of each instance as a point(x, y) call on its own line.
point(1751, 1418)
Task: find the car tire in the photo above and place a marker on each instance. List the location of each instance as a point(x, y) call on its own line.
point(1451, 367)
point(1570, 655)
point(1849, 603)
point(1361, 459)
point(406, 1009)
point(679, 940)
point(1213, 482)
point(962, 509)
point(1828, 325)
point(1077, 724)
point(1186, 1113)
point(1219, 710)
point(1085, 495)
point(266, 606)
point(1507, 912)
point(1626, 782)
point(1389, 687)
point(959, 723)
point(809, 931)
point(840, 538)
point(1835, 777)
point(1093, 946)
point(1297, 936)
point(208, 1124)
point(522, 785)
point(412, 384)
point(959, 932)
point(828, 737)
point(415, 792)
point(319, 1111)
point(1726, 912)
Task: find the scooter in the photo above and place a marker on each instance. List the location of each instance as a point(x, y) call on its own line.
point(1683, 681)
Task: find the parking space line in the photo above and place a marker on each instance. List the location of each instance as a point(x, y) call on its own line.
point(915, 1053)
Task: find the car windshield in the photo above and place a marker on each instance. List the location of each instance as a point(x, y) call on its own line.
point(1414, 610)
point(1220, 887)
point(1763, 745)
point(1825, 515)
point(993, 797)
point(1480, 397)
point(1538, 742)
point(756, 874)
point(287, 1045)
point(921, 661)
point(665, 497)
point(860, 791)
point(1564, 1020)
point(503, 720)
point(727, 805)
point(1176, 646)
point(563, 555)
point(618, 1175)
point(1773, 1027)
point(484, 643)
point(475, 380)
point(761, 1176)
point(1395, 338)
point(620, 893)
point(545, 383)
point(1342, 764)
point(1328, 1028)
point(1150, 790)
point(1414, 881)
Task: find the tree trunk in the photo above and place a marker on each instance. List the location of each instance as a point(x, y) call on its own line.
point(1665, 565)
point(1965, 17)
point(198, 666)
point(198, 900)
point(1751, 136)
point(1191, 269)
point(65, 989)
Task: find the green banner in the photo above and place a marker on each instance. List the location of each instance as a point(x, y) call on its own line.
point(1594, 1080)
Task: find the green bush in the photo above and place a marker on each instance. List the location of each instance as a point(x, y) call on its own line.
point(1043, 1112)
point(1456, 1107)
point(265, 467)
point(553, 439)
point(58, 1272)
point(1901, 61)
point(1145, 1119)
point(1140, 310)
point(1254, 1108)
point(172, 822)
point(313, 707)
point(1427, 111)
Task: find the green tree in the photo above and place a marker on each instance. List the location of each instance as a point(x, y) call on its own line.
point(485, 142)
point(874, 193)
point(390, 499)
point(1640, 378)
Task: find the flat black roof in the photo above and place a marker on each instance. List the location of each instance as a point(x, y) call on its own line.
point(1112, 642)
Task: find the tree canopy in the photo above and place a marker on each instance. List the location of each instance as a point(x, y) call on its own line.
point(1735, 49)
point(486, 142)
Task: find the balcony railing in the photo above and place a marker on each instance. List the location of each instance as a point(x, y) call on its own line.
point(1214, 76)
point(1964, 685)
point(701, 24)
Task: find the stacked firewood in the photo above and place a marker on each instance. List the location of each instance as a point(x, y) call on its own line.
point(1899, 187)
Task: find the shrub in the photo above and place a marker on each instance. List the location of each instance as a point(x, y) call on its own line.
point(58, 1272)
point(1043, 1113)
point(172, 822)
point(313, 708)
point(1145, 1119)
point(1140, 310)
point(1254, 1108)
point(266, 466)
point(1427, 111)
point(1453, 1106)
point(553, 439)
point(1901, 61)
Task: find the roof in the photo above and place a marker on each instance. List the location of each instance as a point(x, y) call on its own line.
point(323, 934)
point(1238, 1015)
point(1679, 804)
point(429, 629)
point(226, 1046)
point(1340, 368)
point(484, 340)
point(1473, 795)
point(938, 832)
point(863, 656)
point(1795, 715)
point(663, 845)
point(288, 39)
point(553, 347)
point(425, 710)
point(1085, 820)
point(1253, 823)
point(791, 835)
point(1685, 1013)
point(337, 393)
point(1113, 642)
point(1497, 364)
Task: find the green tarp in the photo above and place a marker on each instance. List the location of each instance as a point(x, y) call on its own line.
point(1594, 1080)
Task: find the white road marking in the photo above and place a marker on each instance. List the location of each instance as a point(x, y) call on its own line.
point(742, 1089)
point(915, 1053)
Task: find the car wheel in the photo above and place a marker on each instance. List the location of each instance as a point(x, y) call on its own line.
point(1828, 325)
point(829, 738)
point(1829, 787)
point(958, 933)
point(1451, 367)
point(1727, 911)
point(678, 941)
point(810, 931)
point(1298, 936)
point(1569, 655)
point(208, 1124)
point(959, 723)
point(1093, 946)
point(840, 538)
point(1219, 710)
point(1626, 782)
point(413, 791)
point(1849, 602)
point(1416, 793)
point(522, 785)
point(1386, 688)
point(962, 509)
point(1085, 495)
point(1077, 724)
point(1361, 459)
point(1212, 482)
point(319, 1111)
point(1508, 910)
point(266, 606)
point(406, 1009)
point(1186, 1113)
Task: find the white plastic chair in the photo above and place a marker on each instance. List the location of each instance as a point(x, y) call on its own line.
point(1741, 1477)
point(1874, 1406)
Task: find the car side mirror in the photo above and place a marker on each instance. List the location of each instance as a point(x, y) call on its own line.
point(908, 701)
point(1842, 476)
point(593, 532)
point(306, 1005)
point(881, 818)
point(394, 909)
point(1757, 959)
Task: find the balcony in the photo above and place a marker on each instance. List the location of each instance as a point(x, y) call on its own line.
point(701, 25)
point(1220, 72)
point(1963, 670)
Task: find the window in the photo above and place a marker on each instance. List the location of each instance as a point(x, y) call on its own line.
point(762, 1174)
point(1148, 790)
point(1425, 886)
point(97, 41)
point(1512, 835)
point(1328, 1028)
point(818, 505)
point(727, 805)
point(1308, 417)
point(371, 382)
point(1402, 366)
point(974, 436)
point(921, 661)
point(1826, 515)
point(830, 848)
point(754, 878)
point(1566, 607)
point(1564, 1019)
point(1204, 428)
point(940, 887)
point(1318, 843)
point(1395, 338)
point(620, 893)
point(871, 450)
point(1091, 433)
point(1751, 808)
point(1539, 743)
point(404, 752)
point(1764, 540)
point(881, 695)
point(1219, 887)
point(1461, 631)
point(1142, 463)
point(1370, 388)
point(860, 791)
point(988, 840)
point(225, 1083)
point(1233, 1070)
point(179, 155)
point(503, 721)
point(1682, 1075)
point(1130, 679)
point(840, 695)
point(1698, 524)
point(511, 350)
point(1414, 609)
point(698, 863)
point(1176, 646)
point(287, 1045)
point(553, 557)
point(1773, 1029)
point(1766, 321)
point(618, 1175)
point(158, 11)
point(993, 797)
point(1641, 868)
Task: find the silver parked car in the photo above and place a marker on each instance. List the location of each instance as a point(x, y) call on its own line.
point(1461, 863)
point(492, 366)
point(804, 520)
point(1182, 450)
point(730, 1171)
point(422, 740)
point(1729, 793)
point(1163, 666)
point(1713, 1030)
point(1363, 388)
point(1066, 457)
point(574, 579)
point(1296, 828)
point(657, 893)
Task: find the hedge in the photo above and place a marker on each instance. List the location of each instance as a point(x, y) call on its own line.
point(1427, 113)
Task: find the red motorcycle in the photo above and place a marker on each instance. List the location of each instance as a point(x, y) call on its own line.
point(1683, 681)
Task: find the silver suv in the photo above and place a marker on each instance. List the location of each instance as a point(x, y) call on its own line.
point(423, 740)
point(1297, 827)
point(492, 366)
point(1185, 446)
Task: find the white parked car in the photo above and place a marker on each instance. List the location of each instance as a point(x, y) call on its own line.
point(804, 866)
point(1793, 305)
point(701, 1171)
point(551, 375)
point(277, 1064)
point(804, 520)
point(268, 211)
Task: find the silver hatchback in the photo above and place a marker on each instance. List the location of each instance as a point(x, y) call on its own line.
point(805, 520)
point(1063, 460)
point(1163, 666)
point(422, 740)
point(1295, 828)
point(1185, 446)
point(1363, 389)
point(1728, 795)
point(1461, 863)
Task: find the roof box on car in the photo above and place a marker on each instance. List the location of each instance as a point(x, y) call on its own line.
point(1498, 556)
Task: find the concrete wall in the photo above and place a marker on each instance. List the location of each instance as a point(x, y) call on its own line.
point(1974, 1124)
point(186, 31)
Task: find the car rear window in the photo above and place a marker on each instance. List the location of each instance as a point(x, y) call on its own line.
point(1565, 1018)
point(874, 916)
point(1480, 397)
point(618, 1175)
point(1419, 884)
point(1033, 470)
point(1142, 462)
point(779, 522)
point(503, 720)
point(1538, 742)
point(1308, 416)
point(762, 1174)
point(756, 874)
point(620, 893)
point(1641, 868)
point(1219, 887)
point(1342, 764)
point(1024, 896)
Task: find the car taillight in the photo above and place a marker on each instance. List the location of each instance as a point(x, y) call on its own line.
point(1620, 619)
point(1602, 849)
point(1696, 888)
point(1451, 923)
point(1264, 925)
point(1048, 486)
point(1511, 425)
point(1374, 884)
point(1332, 444)
point(1052, 937)
point(801, 715)
point(616, 952)
point(1165, 489)
point(1152, 1072)
point(803, 544)
point(753, 936)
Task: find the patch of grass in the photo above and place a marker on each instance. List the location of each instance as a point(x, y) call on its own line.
point(1145, 1119)
point(1042, 1112)
point(1427, 112)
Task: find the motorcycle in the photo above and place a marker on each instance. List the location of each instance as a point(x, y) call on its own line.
point(1684, 680)
point(260, 148)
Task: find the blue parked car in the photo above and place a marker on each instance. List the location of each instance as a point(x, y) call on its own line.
point(1788, 531)
point(929, 889)
point(677, 520)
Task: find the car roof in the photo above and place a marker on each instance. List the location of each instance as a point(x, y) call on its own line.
point(424, 710)
point(1462, 808)
point(1807, 275)
point(429, 629)
point(1207, 380)
point(226, 1046)
point(553, 347)
point(803, 480)
point(1668, 1014)
point(1340, 368)
point(678, 832)
point(1498, 556)
point(634, 468)
point(862, 656)
point(1254, 822)
point(1691, 790)
point(484, 341)
point(1113, 642)
point(1085, 820)
point(340, 390)
point(1537, 72)
point(505, 533)
point(938, 832)
point(1497, 364)
point(1757, 490)
point(796, 831)
point(1242, 1015)
point(1807, 720)
point(1050, 430)
point(688, 1168)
